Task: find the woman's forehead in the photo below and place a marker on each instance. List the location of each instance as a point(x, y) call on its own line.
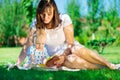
point(48, 10)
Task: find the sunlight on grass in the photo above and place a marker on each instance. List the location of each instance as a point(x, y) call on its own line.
point(9, 54)
point(112, 54)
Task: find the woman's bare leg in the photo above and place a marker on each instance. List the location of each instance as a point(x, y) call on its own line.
point(75, 62)
point(92, 57)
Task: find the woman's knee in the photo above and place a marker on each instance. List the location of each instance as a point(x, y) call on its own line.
point(79, 51)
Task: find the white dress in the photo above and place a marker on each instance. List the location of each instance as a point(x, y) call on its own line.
point(56, 38)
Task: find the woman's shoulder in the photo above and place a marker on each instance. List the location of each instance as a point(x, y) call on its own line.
point(66, 20)
point(64, 16)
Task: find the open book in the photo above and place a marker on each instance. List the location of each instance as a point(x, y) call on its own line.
point(51, 60)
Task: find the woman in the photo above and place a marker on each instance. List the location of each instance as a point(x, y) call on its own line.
point(60, 37)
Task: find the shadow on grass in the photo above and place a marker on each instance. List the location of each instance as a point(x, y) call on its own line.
point(36, 74)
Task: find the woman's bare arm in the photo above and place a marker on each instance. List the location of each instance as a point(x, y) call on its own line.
point(69, 34)
point(22, 55)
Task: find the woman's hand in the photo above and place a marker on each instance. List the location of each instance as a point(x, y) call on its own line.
point(59, 62)
point(67, 51)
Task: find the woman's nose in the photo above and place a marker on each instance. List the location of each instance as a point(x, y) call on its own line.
point(45, 16)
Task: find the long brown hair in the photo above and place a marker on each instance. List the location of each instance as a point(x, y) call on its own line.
point(43, 4)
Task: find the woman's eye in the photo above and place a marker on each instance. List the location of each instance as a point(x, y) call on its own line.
point(49, 14)
point(43, 16)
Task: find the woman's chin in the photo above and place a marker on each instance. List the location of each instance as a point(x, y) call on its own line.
point(46, 22)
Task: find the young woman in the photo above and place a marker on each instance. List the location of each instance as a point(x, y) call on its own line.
point(60, 38)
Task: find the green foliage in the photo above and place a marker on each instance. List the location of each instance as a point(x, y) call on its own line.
point(92, 20)
point(98, 22)
point(30, 9)
point(82, 38)
point(16, 14)
point(117, 42)
point(12, 22)
point(15, 17)
point(105, 36)
point(111, 16)
point(73, 11)
point(100, 45)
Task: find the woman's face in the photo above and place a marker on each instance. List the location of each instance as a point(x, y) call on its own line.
point(47, 15)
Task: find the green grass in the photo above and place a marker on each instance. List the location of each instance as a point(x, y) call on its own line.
point(15, 74)
point(112, 54)
point(9, 54)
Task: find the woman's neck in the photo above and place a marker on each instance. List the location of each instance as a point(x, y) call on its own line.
point(49, 26)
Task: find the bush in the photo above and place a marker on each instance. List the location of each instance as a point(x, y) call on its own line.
point(100, 45)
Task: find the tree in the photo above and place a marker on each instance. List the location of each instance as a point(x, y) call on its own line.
point(12, 22)
point(92, 19)
point(30, 8)
point(73, 11)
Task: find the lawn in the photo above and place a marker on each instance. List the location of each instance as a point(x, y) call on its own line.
point(10, 55)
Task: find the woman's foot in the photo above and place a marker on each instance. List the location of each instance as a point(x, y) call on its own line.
point(117, 66)
point(112, 66)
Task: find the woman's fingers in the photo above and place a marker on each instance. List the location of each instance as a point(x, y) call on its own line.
point(60, 61)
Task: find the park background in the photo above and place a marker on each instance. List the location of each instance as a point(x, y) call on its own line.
point(96, 25)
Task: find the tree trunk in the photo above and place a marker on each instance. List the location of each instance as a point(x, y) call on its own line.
point(93, 36)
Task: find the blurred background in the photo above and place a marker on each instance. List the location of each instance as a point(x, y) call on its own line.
point(96, 25)
point(96, 22)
